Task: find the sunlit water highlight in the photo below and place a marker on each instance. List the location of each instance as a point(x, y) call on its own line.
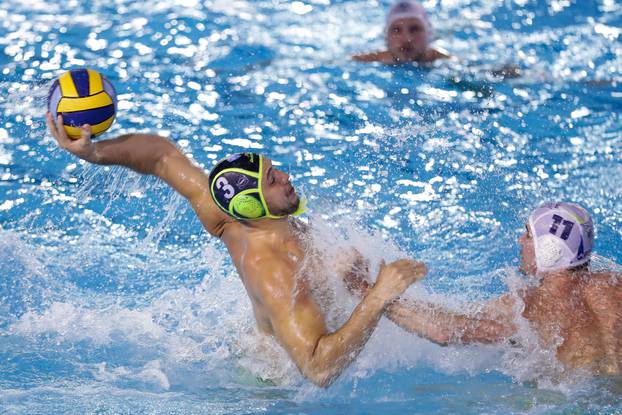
point(113, 299)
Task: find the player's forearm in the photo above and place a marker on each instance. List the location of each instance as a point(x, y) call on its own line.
point(139, 152)
point(445, 327)
point(424, 321)
point(335, 351)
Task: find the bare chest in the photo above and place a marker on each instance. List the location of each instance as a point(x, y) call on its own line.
point(290, 250)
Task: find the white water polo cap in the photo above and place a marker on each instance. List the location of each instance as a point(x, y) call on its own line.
point(407, 9)
point(563, 235)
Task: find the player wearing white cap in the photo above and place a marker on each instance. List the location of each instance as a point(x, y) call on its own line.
point(571, 308)
point(408, 34)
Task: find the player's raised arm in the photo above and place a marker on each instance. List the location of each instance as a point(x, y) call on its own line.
point(146, 154)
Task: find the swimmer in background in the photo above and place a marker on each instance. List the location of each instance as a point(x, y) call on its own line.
point(408, 33)
point(249, 204)
point(572, 309)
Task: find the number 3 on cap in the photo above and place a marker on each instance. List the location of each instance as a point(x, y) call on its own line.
point(222, 183)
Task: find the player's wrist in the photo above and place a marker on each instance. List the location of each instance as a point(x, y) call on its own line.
point(91, 154)
point(378, 296)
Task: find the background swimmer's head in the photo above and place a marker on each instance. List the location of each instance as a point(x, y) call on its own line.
point(246, 186)
point(558, 236)
point(408, 31)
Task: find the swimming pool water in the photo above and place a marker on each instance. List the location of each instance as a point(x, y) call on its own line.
point(114, 300)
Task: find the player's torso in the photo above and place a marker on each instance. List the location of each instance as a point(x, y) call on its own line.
point(287, 247)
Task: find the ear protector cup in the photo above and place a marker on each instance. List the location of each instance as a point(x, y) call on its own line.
point(550, 250)
point(248, 206)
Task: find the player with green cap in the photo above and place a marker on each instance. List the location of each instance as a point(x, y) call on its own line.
point(248, 204)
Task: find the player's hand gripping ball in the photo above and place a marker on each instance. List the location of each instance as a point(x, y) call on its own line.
point(83, 96)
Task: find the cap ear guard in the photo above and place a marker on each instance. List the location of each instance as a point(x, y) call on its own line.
point(549, 251)
point(247, 206)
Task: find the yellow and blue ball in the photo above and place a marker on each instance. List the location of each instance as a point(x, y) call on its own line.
point(83, 96)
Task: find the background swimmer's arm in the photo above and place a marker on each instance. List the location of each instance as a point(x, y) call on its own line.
point(507, 71)
point(490, 325)
point(368, 57)
point(435, 54)
point(384, 57)
point(299, 325)
point(146, 154)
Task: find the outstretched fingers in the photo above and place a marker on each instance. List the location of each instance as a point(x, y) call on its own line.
point(418, 270)
point(410, 269)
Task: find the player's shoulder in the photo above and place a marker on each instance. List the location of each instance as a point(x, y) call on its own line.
point(383, 57)
point(435, 54)
point(269, 266)
point(604, 287)
point(604, 280)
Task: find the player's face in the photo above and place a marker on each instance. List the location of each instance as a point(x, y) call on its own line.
point(278, 191)
point(407, 39)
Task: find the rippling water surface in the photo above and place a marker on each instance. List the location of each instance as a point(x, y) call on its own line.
point(114, 300)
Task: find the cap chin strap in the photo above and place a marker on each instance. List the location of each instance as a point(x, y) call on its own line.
point(302, 208)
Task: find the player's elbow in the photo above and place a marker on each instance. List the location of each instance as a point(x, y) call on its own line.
point(440, 337)
point(488, 332)
point(165, 153)
point(165, 149)
point(320, 377)
point(320, 369)
point(321, 380)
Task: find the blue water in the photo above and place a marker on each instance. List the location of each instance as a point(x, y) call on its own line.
point(114, 300)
